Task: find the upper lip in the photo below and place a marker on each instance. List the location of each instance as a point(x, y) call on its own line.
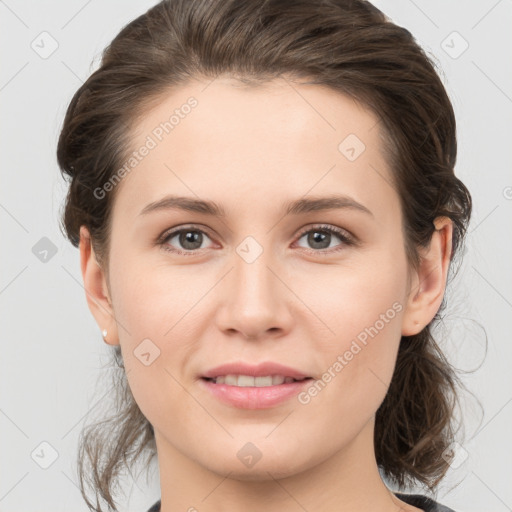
point(259, 370)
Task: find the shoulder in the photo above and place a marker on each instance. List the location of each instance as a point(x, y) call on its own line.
point(423, 502)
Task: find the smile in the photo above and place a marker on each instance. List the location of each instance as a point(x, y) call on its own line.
point(250, 381)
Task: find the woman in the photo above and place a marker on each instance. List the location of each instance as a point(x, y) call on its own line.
point(264, 198)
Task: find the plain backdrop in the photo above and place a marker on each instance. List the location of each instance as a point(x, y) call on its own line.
point(52, 350)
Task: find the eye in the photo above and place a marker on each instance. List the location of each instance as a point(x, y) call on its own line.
point(320, 237)
point(190, 239)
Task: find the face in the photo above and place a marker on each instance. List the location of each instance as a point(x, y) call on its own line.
point(321, 291)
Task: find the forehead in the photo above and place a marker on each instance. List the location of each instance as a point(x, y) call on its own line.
point(260, 144)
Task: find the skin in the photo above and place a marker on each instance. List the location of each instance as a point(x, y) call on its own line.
point(252, 149)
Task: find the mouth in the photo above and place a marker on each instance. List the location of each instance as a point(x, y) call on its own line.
point(252, 381)
point(254, 391)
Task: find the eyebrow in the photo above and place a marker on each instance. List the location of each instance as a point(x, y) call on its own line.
point(296, 207)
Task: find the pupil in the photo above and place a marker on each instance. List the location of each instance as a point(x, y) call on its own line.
point(313, 239)
point(190, 237)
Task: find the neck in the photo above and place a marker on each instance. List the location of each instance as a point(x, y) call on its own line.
point(348, 480)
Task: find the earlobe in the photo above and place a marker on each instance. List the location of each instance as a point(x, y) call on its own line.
point(96, 289)
point(427, 289)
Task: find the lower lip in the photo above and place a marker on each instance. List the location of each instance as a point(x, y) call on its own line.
point(254, 397)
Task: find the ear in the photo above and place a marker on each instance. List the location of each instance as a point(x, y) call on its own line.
point(96, 289)
point(429, 282)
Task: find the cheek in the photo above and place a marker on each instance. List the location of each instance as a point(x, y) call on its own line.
point(363, 311)
point(150, 300)
point(159, 322)
point(358, 299)
point(357, 368)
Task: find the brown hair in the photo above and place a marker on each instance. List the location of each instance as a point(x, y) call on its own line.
point(347, 45)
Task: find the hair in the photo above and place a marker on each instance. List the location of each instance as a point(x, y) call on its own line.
point(347, 45)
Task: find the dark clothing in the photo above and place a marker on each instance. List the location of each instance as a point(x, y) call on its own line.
point(155, 507)
point(416, 500)
point(421, 502)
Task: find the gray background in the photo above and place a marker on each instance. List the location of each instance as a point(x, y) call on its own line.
point(52, 350)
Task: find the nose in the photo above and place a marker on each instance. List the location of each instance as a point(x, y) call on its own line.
point(256, 299)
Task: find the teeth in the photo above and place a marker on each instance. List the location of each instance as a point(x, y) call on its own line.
point(249, 381)
point(278, 379)
point(244, 381)
point(231, 380)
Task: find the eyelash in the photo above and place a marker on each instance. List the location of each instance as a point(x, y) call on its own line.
point(347, 239)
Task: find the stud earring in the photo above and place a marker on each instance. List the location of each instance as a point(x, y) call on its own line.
point(104, 332)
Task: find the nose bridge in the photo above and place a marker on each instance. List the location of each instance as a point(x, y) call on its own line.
point(254, 284)
point(255, 298)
